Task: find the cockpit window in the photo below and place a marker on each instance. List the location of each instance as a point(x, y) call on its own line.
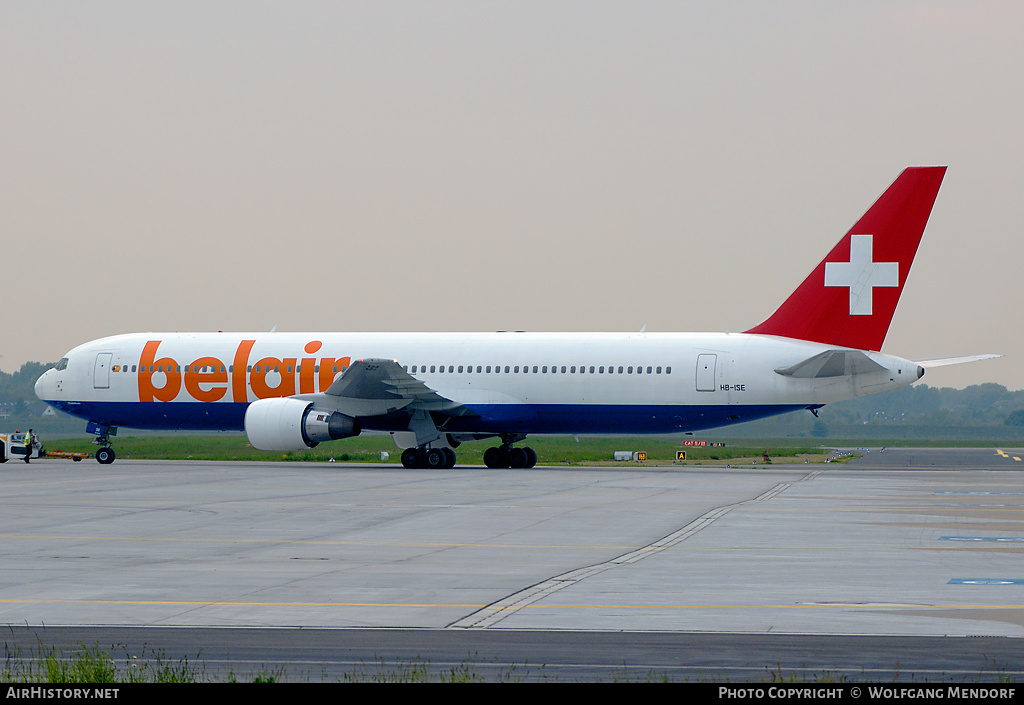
point(62, 364)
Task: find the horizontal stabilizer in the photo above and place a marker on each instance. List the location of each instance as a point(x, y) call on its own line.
point(943, 361)
point(832, 363)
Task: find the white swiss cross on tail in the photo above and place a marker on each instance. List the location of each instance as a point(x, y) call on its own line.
point(861, 274)
point(822, 311)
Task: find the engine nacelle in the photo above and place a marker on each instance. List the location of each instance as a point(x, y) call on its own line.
point(284, 423)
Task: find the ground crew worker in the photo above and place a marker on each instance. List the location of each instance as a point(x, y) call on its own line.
point(28, 445)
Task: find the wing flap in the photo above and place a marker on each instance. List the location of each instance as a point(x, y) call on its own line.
point(378, 387)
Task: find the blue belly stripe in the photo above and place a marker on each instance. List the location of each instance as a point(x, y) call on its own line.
point(524, 418)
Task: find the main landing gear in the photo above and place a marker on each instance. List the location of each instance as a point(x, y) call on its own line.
point(430, 458)
point(505, 456)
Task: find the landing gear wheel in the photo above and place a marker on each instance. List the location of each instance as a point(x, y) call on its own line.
point(412, 458)
point(494, 458)
point(517, 458)
point(531, 457)
point(105, 455)
point(449, 455)
point(435, 458)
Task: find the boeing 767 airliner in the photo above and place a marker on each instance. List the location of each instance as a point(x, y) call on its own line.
point(434, 391)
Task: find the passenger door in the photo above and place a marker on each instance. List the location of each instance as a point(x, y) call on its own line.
point(101, 373)
point(706, 372)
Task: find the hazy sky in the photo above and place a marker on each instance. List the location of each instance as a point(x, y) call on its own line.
point(494, 165)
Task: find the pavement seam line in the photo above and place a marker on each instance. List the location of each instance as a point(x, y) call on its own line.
point(495, 612)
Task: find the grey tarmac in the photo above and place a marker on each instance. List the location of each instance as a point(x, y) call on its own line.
point(901, 543)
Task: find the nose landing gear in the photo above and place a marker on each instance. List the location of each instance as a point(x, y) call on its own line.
point(105, 455)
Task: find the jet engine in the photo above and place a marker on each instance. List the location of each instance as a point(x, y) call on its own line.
point(285, 423)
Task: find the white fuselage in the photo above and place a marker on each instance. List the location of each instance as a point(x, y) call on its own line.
point(512, 382)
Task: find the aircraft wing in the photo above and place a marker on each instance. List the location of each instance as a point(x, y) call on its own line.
point(378, 387)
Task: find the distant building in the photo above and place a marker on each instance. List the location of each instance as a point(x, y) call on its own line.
point(19, 407)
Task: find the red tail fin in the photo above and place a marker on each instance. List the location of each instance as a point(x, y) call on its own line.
point(850, 297)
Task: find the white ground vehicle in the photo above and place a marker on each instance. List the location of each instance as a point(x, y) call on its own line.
point(12, 447)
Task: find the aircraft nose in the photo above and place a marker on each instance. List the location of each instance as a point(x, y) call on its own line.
point(44, 385)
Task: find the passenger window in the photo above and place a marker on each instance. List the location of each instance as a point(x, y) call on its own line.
point(668, 370)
